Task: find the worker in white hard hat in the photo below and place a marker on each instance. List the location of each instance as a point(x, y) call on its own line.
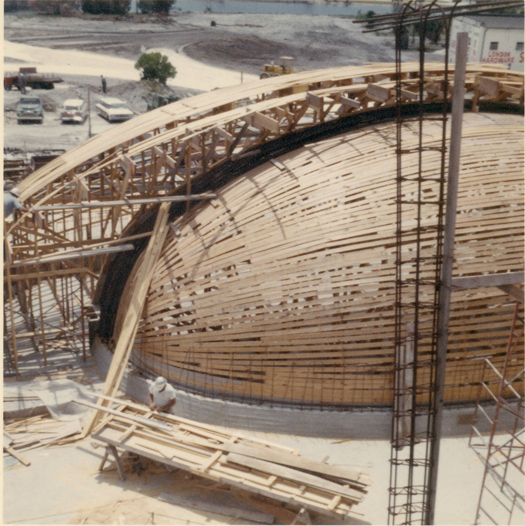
point(161, 395)
point(12, 203)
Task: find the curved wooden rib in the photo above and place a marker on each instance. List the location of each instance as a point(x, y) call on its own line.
point(87, 198)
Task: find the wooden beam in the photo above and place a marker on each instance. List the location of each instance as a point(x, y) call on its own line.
point(50, 273)
point(127, 202)
point(487, 280)
point(350, 103)
point(514, 291)
point(315, 102)
point(126, 337)
point(295, 475)
point(351, 475)
point(263, 121)
point(378, 93)
point(137, 419)
point(487, 85)
point(410, 95)
point(73, 255)
point(228, 137)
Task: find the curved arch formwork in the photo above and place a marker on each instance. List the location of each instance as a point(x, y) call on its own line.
point(99, 199)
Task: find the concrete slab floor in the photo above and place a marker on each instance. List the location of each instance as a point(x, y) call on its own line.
point(62, 485)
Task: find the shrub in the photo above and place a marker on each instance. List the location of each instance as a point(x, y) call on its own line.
point(155, 66)
point(106, 7)
point(155, 6)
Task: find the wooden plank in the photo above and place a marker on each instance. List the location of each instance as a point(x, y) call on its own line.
point(294, 475)
point(351, 475)
point(252, 481)
point(74, 255)
point(212, 460)
point(487, 85)
point(228, 137)
point(17, 455)
point(143, 421)
point(351, 103)
point(314, 101)
point(378, 93)
point(125, 339)
point(128, 202)
point(263, 121)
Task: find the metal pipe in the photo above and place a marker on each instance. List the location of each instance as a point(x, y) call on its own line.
point(448, 262)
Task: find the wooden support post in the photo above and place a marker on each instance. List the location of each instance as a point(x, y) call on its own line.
point(41, 307)
point(188, 176)
point(7, 264)
point(117, 462)
point(104, 459)
point(129, 328)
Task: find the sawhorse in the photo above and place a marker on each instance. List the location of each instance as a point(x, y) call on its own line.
point(113, 450)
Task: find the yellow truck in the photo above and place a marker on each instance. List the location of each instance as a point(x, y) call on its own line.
point(273, 70)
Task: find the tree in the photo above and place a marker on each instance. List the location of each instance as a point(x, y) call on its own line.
point(155, 6)
point(106, 7)
point(155, 66)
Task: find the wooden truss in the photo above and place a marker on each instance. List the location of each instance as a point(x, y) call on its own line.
point(86, 204)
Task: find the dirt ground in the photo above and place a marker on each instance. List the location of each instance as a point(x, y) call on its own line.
point(236, 40)
point(240, 43)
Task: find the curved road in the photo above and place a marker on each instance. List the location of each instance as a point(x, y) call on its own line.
point(190, 73)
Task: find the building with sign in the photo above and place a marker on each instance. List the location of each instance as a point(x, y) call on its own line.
point(492, 39)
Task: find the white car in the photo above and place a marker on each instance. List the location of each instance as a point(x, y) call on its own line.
point(113, 110)
point(74, 110)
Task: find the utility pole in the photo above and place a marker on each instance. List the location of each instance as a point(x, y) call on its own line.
point(458, 99)
point(89, 112)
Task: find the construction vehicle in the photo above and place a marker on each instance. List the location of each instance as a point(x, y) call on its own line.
point(156, 100)
point(30, 79)
point(272, 70)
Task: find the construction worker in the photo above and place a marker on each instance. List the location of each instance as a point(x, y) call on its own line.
point(12, 203)
point(22, 81)
point(161, 396)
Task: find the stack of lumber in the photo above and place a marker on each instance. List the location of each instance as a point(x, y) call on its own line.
point(247, 463)
point(15, 170)
point(38, 431)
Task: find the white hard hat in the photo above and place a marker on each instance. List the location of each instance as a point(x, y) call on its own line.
point(15, 191)
point(160, 382)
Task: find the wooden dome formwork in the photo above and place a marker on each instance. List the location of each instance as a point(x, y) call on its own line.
point(274, 285)
point(281, 289)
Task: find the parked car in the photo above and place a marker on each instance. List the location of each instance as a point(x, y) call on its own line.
point(74, 110)
point(30, 108)
point(114, 110)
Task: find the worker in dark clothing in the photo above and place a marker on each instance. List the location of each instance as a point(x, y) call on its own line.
point(22, 80)
point(104, 84)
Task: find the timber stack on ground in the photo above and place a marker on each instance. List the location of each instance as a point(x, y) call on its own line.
point(257, 466)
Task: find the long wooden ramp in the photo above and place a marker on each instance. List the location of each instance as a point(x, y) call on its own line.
point(248, 463)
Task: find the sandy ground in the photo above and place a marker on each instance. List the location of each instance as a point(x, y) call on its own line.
point(77, 494)
point(232, 51)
